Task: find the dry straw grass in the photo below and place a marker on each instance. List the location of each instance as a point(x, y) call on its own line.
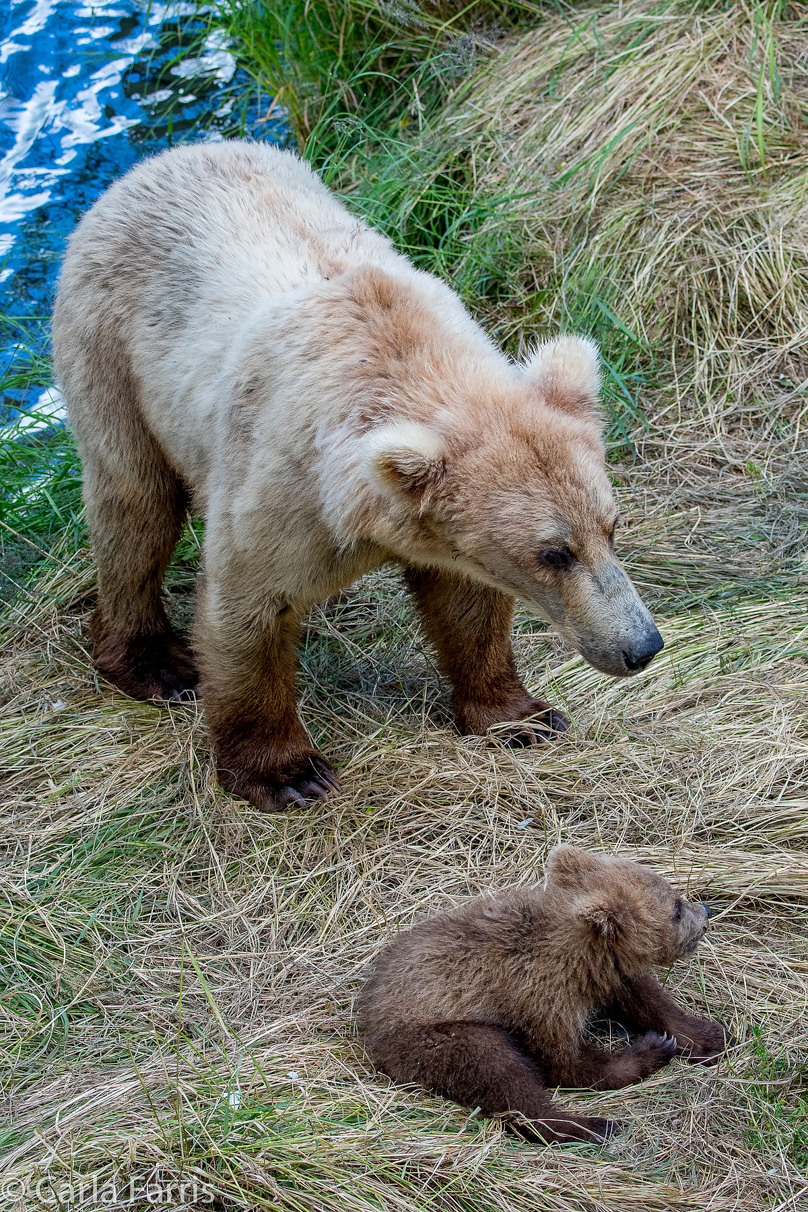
point(179, 970)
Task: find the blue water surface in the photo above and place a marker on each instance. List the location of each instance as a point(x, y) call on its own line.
point(86, 90)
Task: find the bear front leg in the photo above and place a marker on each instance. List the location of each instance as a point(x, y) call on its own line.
point(470, 628)
point(596, 1069)
point(643, 1005)
point(248, 687)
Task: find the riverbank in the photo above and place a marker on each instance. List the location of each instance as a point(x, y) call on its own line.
point(179, 969)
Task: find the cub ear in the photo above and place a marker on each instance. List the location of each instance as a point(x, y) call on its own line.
point(604, 919)
point(566, 372)
point(405, 459)
point(571, 867)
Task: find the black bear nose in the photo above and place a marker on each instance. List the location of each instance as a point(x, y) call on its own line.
point(707, 909)
point(641, 654)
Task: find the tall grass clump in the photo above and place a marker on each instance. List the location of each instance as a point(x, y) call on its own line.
point(659, 153)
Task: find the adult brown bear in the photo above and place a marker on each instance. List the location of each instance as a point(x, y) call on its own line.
point(226, 332)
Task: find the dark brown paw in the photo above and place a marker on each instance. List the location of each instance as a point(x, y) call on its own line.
point(144, 666)
point(518, 723)
point(650, 1053)
point(705, 1041)
point(535, 729)
point(564, 1131)
point(308, 777)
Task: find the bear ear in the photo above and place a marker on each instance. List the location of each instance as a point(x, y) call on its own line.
point(405, 459)
point(571, 867)
point(566, 372)
point(603, 918)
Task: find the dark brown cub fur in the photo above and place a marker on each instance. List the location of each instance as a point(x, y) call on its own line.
point(487, 1004)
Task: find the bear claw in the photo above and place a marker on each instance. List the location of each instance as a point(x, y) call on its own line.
point(275, 792)
point(651, 1052)
point(535, 729)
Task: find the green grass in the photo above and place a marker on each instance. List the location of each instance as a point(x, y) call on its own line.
point(778, 1105)
point(40, 476)
point(364, 86)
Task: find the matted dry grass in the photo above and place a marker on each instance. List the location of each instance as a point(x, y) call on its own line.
point(179, 970)
point(179, 952)
point(657, 151)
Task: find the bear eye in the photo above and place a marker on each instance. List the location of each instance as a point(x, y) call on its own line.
point(557, 557)
point(677, 911)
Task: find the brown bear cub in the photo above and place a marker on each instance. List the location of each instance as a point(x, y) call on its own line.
point(487, 1004)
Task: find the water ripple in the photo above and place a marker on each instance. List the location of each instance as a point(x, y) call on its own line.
point(86, 90)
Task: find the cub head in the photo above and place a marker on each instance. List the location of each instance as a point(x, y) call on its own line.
point(506, 483)
point(621, 907)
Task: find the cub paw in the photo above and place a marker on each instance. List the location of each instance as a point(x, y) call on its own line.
point(311, 777)
point(651, 1052)
point(706, 1040)
point(563, 1131)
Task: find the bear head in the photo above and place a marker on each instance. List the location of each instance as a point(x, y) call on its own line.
point(619, 907)
point(497, 472)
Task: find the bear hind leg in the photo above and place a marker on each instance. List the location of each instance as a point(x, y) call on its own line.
point(478, 1065)
point(134, 528)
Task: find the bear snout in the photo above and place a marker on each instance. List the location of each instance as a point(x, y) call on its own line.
point(641, 653)
point(614, 633)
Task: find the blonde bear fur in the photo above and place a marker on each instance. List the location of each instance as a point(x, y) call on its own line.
point(227, 334)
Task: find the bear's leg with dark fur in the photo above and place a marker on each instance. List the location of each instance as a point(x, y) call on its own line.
point(134, 527)
point(248, 687)
point(643, 1005)
point(478, 1065)
point(470, 628)
point(596, 1069)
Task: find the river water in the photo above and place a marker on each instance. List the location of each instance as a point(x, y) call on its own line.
point(86, 90)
